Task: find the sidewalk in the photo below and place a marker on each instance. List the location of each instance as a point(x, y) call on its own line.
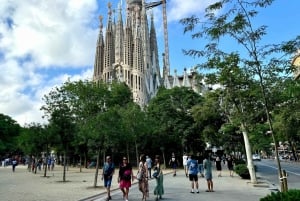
point(178, 188)
point(26, 186)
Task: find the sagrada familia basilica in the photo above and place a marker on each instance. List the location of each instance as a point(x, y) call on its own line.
point(128, 52)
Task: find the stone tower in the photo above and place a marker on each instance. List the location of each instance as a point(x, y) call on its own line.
point(128, 52)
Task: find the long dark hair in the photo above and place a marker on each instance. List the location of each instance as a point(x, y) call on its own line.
point(143, 158)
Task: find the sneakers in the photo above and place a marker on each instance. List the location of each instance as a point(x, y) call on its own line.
point(192, 191)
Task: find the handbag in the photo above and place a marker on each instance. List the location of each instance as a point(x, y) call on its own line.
point(155, 174)
point(139, 176)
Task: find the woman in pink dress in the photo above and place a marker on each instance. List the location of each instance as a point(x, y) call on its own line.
point(125, 177)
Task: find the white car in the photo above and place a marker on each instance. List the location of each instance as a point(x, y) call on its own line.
point(256, 157)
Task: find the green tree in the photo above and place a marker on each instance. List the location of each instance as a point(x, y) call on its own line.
point(61, 119)
point(9, 131)
point(209, 116)
point(95, 109)
point(36, 139)
point(263, 62)
point(87, 100)
point(287, 115)
point(135, 128)
point(170, 112)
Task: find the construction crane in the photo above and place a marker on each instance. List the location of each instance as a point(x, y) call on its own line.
point(166, 41)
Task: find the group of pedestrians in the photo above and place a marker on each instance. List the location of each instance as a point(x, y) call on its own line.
point(230, 163)
point(191, 164)
point(126, 176)
point(34, 164)
point(192, 170)
point(194, 165)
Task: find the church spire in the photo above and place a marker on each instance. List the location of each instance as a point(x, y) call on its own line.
point(109, 47)
point(119, 37)
point(98, 65)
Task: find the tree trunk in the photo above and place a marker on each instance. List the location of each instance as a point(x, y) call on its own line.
point(80, 166)
point(64, 172)
point(97, 168)
point(294, 150)
point(85, 160)
point(136, 153)
point(47, 153)
point(250, 165)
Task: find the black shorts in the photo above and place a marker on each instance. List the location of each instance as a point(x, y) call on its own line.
point(193, 177)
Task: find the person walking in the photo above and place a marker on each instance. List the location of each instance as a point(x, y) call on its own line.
point(142, 177)
point(108, 171)
point(14, 164)
point(174, 164)
point(207, 165)
point(200, 164)
point(158, 175)
point(230, 165)
point(149, 165)
point(184, 163)
point(125, 177)
point(192, 165)
point(219, 166)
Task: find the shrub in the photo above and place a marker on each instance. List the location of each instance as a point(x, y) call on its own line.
point(242, 171)
point(290, 195)
point(239, 161)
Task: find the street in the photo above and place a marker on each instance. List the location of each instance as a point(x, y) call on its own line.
point(268, 170)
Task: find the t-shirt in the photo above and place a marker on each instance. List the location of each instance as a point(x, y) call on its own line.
point(184, 159)
point(207, 166)
point(108, 168)
point(193, 166)
point(149, 162)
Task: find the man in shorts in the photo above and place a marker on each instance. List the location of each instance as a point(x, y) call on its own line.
point(107, 174)
point(192, 165)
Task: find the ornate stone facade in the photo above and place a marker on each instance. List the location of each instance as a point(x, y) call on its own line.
point(129, 53)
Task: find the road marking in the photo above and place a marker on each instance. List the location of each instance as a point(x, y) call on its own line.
point(277, 169)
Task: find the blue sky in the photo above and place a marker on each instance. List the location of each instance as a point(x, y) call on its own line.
point(44, 43)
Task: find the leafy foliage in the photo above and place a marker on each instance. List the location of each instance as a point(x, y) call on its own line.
point(171, 113)
point(247, 70)
point(242, 171)
point(9, 130)
point(290, 195)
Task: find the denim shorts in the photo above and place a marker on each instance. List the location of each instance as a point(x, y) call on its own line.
point(107, 182)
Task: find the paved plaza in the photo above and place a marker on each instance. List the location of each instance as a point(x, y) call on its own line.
point(22, 185)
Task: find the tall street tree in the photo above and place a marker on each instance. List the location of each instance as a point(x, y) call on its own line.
point(233, 20)
point(9, 130)
point(175, 129)
point(58, 110)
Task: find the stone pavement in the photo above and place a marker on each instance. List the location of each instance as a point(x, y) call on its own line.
point(26, 186)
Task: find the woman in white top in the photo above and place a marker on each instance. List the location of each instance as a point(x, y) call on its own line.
point(184, 162)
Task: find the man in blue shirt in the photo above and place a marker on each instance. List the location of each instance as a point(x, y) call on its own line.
point(107, 174)
point(192, 164)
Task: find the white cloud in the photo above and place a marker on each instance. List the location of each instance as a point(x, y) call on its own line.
point(179, 9)
point(51, 32)
point(37, 35)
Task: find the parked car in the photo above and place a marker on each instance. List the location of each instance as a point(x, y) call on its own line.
point(256, 157)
